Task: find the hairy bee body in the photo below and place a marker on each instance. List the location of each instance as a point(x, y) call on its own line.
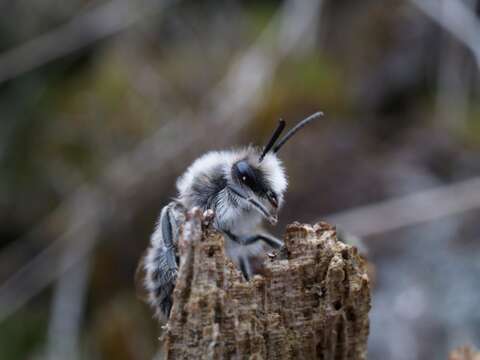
point(242, 187)
point(206, 185)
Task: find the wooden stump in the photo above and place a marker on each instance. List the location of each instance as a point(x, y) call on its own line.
point(312, 300)
point(464, 353)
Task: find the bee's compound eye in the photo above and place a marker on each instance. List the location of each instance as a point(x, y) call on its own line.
point(245, 173)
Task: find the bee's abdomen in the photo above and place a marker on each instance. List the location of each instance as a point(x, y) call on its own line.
point(160, 280)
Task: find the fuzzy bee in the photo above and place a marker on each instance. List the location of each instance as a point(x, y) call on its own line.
point(240, 189)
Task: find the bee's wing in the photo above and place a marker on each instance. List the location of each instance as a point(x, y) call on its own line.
point(140, 274)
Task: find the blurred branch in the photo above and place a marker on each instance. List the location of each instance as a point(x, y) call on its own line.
point(45, 268)
point(67, 310)
point(455, 17)
point(227, 108)
point(86, 29)
point(414, 209)
point(71, 289)
point(254, 70)
point(452, 97)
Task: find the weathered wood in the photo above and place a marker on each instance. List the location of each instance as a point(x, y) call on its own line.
point(312, 300)
point(464, 353)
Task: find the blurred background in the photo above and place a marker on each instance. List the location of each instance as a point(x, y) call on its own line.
point(103, 104)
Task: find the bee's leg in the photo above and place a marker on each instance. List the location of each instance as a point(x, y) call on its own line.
point(244, 260)
point(245, 267)
point(208, 216)
point(167, 224)
point(161, 263)
point(242, 257)
point(268, 239)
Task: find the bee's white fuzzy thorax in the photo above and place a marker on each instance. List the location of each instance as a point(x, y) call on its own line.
point(271, 166)
point(203, 165)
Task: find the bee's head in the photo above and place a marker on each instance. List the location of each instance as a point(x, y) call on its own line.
point(263, 182)
point(259, 177)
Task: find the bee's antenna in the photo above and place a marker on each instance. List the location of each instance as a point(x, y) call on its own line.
point(273, 138)
point(294, 130)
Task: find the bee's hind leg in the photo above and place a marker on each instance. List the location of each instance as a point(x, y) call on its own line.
point(167, 224)
point(161, 262)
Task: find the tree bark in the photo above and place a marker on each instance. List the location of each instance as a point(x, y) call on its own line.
point(311, 301)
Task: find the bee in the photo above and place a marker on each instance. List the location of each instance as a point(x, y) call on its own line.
point(239, 189)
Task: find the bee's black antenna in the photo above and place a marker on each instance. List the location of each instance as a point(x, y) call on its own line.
point(295, 129)
point(273, 138)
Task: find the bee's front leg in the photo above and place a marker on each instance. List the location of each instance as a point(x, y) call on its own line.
point(243, 258)
point(268, 239)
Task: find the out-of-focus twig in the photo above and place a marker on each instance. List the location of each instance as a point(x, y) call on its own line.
point(254, 70)
point(231, 103)
point(452, 98)
point(67, 310)
point(409, 210)
point(71, 289)
point(103, 21)
point(455, 17)
point(46, 267)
